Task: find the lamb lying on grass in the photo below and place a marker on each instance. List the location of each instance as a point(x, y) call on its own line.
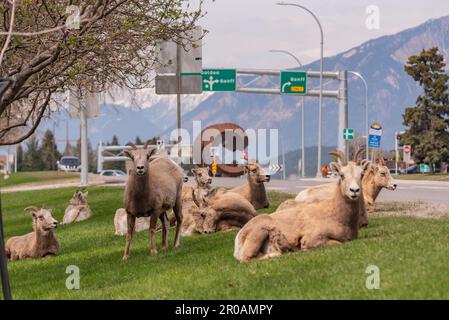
point(42, 242)
point(78, 209)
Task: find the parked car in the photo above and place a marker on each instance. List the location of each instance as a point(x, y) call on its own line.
point(410, 169)
point(69, 164)
point(112, 173)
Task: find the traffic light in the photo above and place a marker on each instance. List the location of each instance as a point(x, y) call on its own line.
point(213, 168)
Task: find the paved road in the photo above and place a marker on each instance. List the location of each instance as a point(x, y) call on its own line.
point(425, 191)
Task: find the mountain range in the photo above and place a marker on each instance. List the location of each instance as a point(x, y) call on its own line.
point(381, 61)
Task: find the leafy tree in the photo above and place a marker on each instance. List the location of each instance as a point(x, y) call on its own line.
point(427, 123)
point(49, 151)
point(88, 45)
point(32, 160)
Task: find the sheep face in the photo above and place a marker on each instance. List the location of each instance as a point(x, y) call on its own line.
point(256, 173)
point(140, 158)
point(351, 176)
point(382, 176)
point(79, 197)
point(202, 177)
point(43, 221)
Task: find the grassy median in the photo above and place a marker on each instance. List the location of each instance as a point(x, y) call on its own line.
point(412, 255)
point(38, 177)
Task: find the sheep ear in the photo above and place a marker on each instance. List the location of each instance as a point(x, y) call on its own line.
point(86, 193)
point(381, 161)
point(366, 165)
point(151, 152)
point(335, 167)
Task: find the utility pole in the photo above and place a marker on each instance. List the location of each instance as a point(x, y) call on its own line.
point(303, 152)
point(84, 150)
point(178, 95)
point(343, 111)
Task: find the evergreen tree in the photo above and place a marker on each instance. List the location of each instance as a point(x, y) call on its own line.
point(49, 152)
point(427, 122)
point(19, 157)
point(32, 160)
point(115, 164)
point(138, 142)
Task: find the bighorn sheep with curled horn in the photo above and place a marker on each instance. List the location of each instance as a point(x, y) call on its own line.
point(153, 187)
point(376, 177)
point(78, 209)
point(307, 225)
point(42, 242)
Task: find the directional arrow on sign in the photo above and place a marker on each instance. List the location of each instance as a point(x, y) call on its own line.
point(274, 168)
point(285, 85)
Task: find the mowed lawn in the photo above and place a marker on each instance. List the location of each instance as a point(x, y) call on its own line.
point(46, 177)
point(424, 176)
point(412, 255)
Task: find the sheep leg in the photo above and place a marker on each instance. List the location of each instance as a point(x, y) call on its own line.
point(177, 209)
point(164, 222)
point(153, 222)
point(131, 222)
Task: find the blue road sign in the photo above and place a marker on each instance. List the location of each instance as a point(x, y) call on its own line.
point(374, 141)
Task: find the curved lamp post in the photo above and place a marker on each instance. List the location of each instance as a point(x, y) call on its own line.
point(320, 110)
point(303, 154)
point(358, 75)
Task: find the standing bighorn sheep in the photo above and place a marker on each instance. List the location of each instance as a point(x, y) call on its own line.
point(153, 187)
point(41, 242)
point(307, 225)
point(254, 189)
point(78, 209)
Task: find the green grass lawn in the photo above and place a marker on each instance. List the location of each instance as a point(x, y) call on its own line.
point(412, 255)
point(36, 177)
point(424, 176)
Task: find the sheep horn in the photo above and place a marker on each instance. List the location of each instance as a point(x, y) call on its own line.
point(32, 208)
point(340, 156)
point(132, 145)
point(147, 144)
point(358, 154)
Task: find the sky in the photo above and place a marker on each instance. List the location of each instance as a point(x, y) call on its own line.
point(241, 32)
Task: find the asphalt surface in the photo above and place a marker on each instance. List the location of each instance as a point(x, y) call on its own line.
point(407, 190)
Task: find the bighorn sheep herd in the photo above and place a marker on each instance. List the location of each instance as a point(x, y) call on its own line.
point(322, 215)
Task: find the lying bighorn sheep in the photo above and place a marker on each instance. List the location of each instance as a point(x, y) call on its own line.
point(307, 225)
point(206, 212)
point(254, 189)
point(121, 225)
point(78, 209)
point(152, 189)
point(376, 177)
point(41, 242)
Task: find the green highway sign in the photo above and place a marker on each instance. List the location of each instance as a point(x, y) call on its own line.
point(348, 134)
point(293, 82)
point(219, 79)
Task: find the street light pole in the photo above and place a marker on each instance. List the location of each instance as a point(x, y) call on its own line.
point(358, 75)
point(303, 153)
point(320, 110)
